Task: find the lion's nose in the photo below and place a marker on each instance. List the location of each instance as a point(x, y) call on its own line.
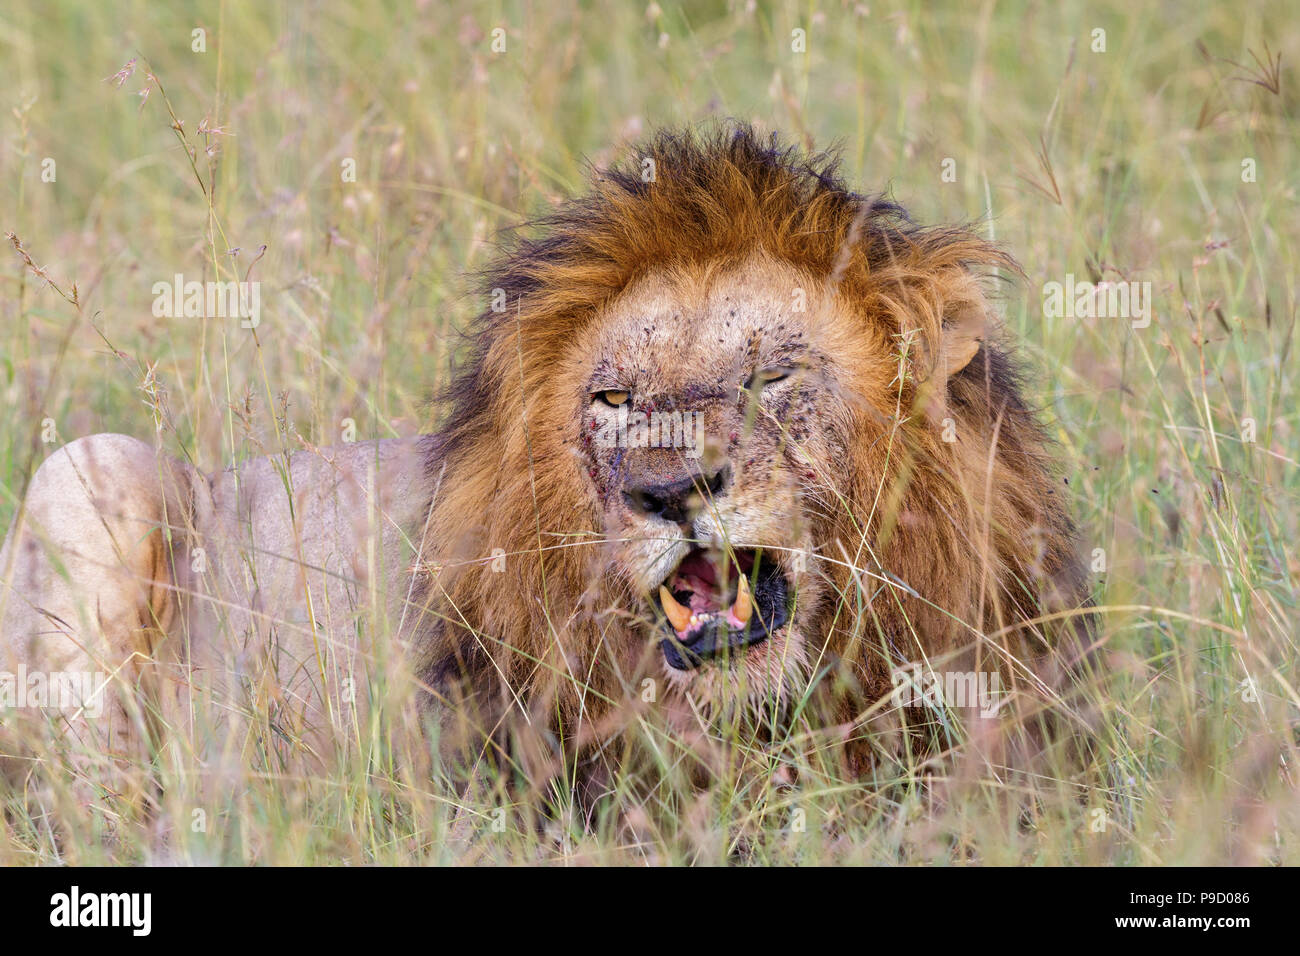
point(677, 501)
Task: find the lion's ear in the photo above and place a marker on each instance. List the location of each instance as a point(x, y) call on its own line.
point(965, 324)
point(964, 327)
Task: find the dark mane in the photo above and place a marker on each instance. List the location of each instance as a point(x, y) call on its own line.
point(989, 541)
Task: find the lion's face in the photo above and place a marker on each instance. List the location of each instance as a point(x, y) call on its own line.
point(744, 424)
point(712, 423)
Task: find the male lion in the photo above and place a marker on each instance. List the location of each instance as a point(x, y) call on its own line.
point(726, 427)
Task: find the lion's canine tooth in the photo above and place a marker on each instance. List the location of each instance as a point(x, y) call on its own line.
point(744, 605)
point(678, 616)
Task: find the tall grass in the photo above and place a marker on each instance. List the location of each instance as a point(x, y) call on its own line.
point(1126, 163)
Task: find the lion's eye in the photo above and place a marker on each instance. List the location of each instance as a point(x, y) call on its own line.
point(767, 376)
point(613, 397)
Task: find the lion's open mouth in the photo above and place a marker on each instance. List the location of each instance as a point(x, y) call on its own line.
point(716, 603)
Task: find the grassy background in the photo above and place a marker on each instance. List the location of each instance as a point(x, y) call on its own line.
point(1125, 163)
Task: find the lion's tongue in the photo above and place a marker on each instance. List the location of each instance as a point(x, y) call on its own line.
point(703, 598)
point(699, 575)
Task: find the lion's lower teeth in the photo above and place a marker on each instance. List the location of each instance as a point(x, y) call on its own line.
point(684, 620)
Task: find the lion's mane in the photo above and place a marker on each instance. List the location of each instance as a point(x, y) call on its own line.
point(970, 538)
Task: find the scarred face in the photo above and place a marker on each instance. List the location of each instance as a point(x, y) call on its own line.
point(710, 429)
point(734, 426)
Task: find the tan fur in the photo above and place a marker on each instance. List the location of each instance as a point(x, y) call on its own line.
point(676, 290)
point(529, 603)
